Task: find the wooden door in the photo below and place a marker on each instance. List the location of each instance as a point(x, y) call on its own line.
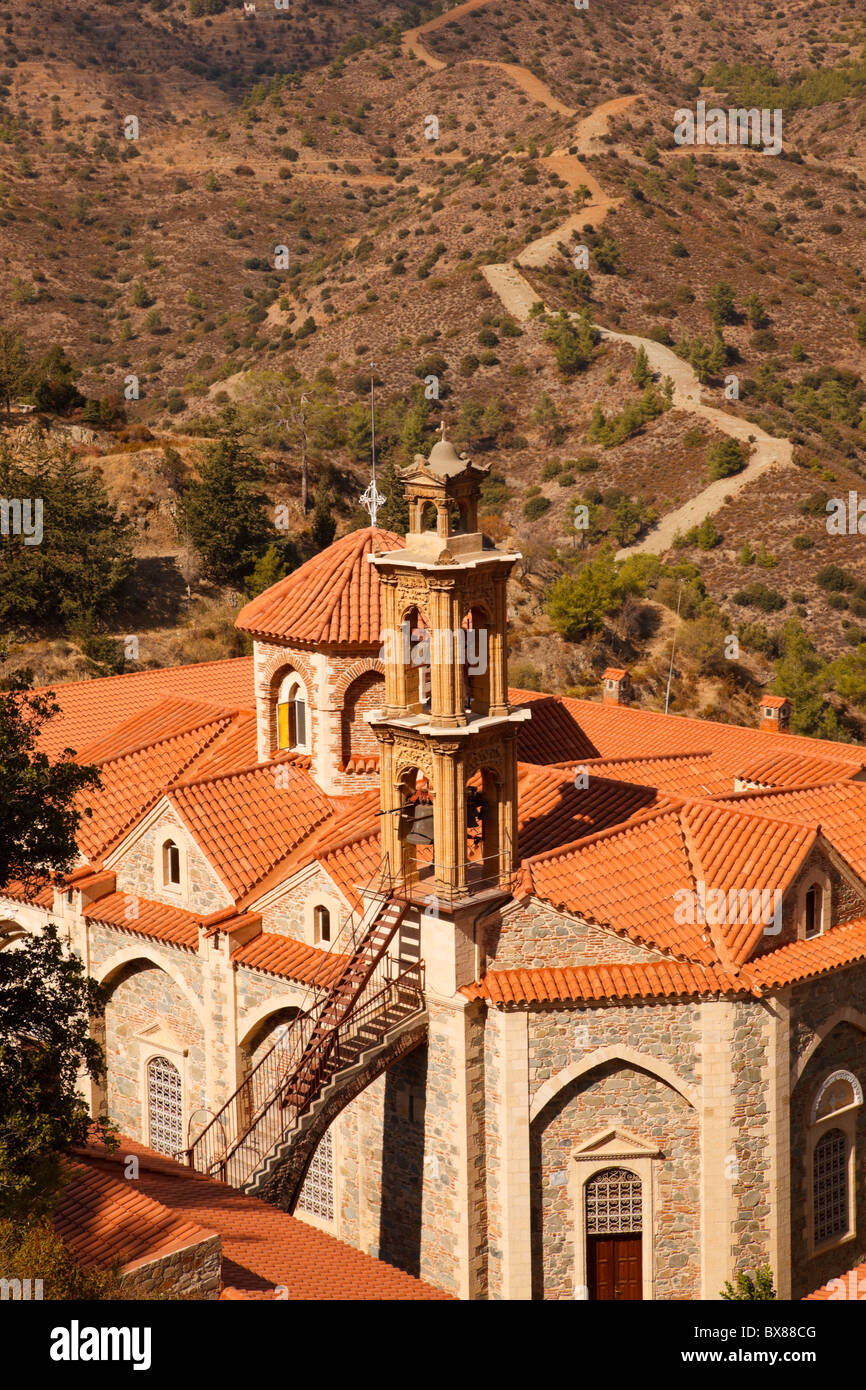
point(615, 1265)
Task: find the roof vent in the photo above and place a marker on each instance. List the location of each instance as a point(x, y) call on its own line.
point(775, 714)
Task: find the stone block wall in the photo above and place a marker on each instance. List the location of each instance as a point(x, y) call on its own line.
point(617, 1093)
point(139, 874)
point(194, 1272)
point(814, 1005)
point(537, 935)
point(142, 996)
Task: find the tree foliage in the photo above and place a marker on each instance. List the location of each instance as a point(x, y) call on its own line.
point(85, 553)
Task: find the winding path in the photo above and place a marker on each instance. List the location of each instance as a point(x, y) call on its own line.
point(518, 296)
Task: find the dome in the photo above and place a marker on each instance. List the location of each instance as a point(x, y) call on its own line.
point(445, 460)
point(332, 600)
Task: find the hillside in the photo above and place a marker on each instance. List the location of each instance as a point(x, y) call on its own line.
point(300, 138)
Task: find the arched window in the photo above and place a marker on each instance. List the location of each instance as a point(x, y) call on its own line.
point(10, 931)
point(814, 905)
point(614, 1203)
point(317, 1193)
point(830, 1206)
point(171, 864)
point(292, 714)
point(838, 1091)
point(164, 1107)
point(322, 921)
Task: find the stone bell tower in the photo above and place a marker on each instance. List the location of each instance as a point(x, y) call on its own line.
point(448, 746)
point(446, 732)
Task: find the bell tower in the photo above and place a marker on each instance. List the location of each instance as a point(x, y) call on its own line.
point(446, 733)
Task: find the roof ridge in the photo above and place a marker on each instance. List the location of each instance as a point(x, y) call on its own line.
point(219, 715)
point(651, 813)
point(283, 758)
point(148, 671)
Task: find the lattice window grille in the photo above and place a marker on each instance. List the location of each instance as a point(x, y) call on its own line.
point(613, 1203)
point(164, 1106)
point(317, 1193)
point(830, 1186)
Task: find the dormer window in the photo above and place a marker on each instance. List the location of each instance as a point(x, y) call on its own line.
point(292, 715)
point(171, 864)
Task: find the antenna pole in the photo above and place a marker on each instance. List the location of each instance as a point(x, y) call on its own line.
point(373, 428)
point(674, 645)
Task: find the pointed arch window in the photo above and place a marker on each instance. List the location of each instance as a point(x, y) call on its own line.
point(292, 715)
point(164, 1106)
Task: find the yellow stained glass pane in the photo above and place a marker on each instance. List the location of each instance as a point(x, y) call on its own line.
point(283, 726)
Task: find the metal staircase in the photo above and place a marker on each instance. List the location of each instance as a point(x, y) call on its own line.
point(371, 1012)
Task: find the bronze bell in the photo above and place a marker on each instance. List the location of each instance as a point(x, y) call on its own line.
point(417, 823)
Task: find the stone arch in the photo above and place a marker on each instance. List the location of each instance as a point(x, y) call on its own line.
point(357, 739)
point(844, 1015)
point(253, 1020)
point(276, 664)
point(351, 674)
point(661, 1070)
point(619, 1088)
point(115, 963)
point(11, 930)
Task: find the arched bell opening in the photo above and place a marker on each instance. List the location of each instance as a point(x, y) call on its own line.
point(415, 662)
point(483, 837)
point(475, 662)
point(415, 824)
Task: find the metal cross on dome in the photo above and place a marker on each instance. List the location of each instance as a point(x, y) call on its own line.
point(371, 497)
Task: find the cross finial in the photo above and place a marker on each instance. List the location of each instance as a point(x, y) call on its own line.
point(442, 430)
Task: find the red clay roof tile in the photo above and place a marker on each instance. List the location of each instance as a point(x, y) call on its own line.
point(333, 599)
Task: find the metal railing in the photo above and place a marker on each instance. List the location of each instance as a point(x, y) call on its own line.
point(232, 1131)
point(372, 1018)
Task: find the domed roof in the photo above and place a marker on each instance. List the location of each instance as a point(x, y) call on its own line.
point(332, 600)
point(445, 460)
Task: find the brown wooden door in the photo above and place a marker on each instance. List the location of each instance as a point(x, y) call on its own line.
point(615, 1268)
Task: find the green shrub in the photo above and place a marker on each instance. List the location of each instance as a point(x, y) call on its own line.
point(725, 458)
point(535, 508)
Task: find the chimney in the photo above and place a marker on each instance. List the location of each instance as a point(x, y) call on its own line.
point(775, 714)
point(616, 686)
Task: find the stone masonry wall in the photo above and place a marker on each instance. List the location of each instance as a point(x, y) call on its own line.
point(139, 873)
point(751, 1143)
point(194, 1272)
point(539, 935)
point(143, 995)
point(844, 1048)
point(616, 1093)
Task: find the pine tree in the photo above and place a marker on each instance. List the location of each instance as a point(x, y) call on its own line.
point(224, 512)
point(641, 374)
point(324, 525)
point(394, 514)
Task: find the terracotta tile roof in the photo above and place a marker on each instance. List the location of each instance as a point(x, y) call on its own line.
point(839, 807)
point(850, 1287)
point(730, 849)
point(678, 774)
point(131, 784)
point(796, 770)
point(553, 811)
point(288, 958)
point(166, 718)
point(43, 897)
point(774, 701)
point(264, 1248)
point(102, 1218)
point(353, 863)
point(802, 960)
point(90, 709)
point(248, 822)
point(629, 878)
point(156, 920)
point(333, 599)
point(626, 731)
point(589, 983)
point(614, 673)
point(626, 879)
point(552, 735)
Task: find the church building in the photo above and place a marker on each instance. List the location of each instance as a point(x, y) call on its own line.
point(530, 996)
